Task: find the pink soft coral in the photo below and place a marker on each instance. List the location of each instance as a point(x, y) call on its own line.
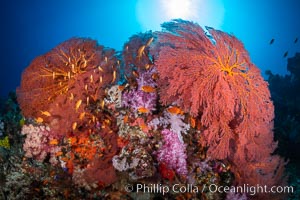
point(38, 143)
point(172, 153)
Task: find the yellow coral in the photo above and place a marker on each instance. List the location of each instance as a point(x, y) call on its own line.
point(5, 143)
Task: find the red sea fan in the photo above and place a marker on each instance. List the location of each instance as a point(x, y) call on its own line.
point(210, 75)
point(64, 82)
point(215, 80)
point(56, 73)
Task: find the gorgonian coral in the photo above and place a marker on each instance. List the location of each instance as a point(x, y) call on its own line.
point(212, 77)
point(63, 83)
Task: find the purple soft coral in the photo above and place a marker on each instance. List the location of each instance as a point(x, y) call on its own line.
point(145, 79)
point(137, 99)
point(173, 152)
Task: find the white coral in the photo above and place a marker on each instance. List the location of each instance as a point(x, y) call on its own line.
point(114, 96)
point(175, 121)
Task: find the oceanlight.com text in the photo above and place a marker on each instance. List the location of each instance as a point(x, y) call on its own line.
point(213, 188)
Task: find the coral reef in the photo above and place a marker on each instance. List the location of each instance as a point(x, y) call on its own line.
point(181, 106)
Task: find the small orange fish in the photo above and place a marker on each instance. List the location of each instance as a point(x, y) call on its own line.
point(135, 73)
point(175, 110)
point(46, 113)
point(107, 122)
point(140, 52)
point(39, 120)
point(147, 66)
point(100, 69)
point(102, 104)
point(125, 119)
point(143, 110)
point(53, 75)
point(71, 97)
point(74, 125)
point(53, 142)
point(81, 116)
point(154, 76)
point(114, 76)
point(121, 87)
point(147, 88)
point(87, 100)
point(59, 153)
point(193, 122)
point(78, 103)
point(149, 41)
